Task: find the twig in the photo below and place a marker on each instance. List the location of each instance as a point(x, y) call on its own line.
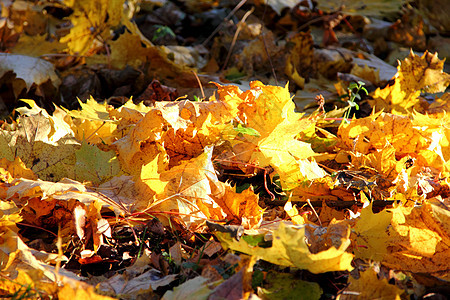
point(315, 212)
point(199, 84)
point(338, 204)
point(226, 19)
point(236, 34)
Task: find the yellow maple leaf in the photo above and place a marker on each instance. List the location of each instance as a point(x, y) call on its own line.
point(289, 248)
point(94, 164)
point(420, 239)
point(300, 58)
point(91, 110)
point(375, 131)
point(183, 127)
point(382, 160)
point(288, 155)
point(45, 147)
point(189, 190)
point(319, 188)
point(93, 122)
point(37, 45)
point(184, 144)
point(148, 184)
point(92, 21)
point(269, 111)
point(368, 286)
point(372, 234)
point(414, 74)
point(142, 143)
point(128, 50)
point(16, 169)
point(265, 107)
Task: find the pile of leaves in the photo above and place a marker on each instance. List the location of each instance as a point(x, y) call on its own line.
point(232, 196)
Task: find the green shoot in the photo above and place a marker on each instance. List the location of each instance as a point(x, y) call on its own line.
point(162, 31)
point(353, 95)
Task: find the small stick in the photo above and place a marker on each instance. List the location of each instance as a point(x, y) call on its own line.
point(226, 19)
point(312, 207)
point(199, 84)
point(236, 34)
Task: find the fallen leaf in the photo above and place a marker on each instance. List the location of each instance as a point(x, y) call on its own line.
point(368, 286)
point(289, 249)
point(372, 234)
point(95, 165)
point(419, 239)
point(197, 288)
point(414, 74)
point(92, 22)
point(30, 69)
point(287, 286)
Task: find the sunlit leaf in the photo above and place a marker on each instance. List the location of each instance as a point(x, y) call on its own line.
point(289, 249)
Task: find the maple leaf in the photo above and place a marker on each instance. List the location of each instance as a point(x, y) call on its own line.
point(288, 155)
point(189, 188)
point(372, 234)
point(289, 248)
point(94, 164)
point(180, 129)
point(91, 110)
point(300, 59)
point(142, 143)
point(149, 184)
point(37, 45)
point(128, 50)
point(382, 160)
point(368, 286)
point(321, 187)
point(91, 21)
point(194, 126)
point(45, 144)
point(11, 170)
point(241, 207)
point(270, 112)
point(420, 239)
point(264, 107)
point(414, 74)
point(374, 132)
